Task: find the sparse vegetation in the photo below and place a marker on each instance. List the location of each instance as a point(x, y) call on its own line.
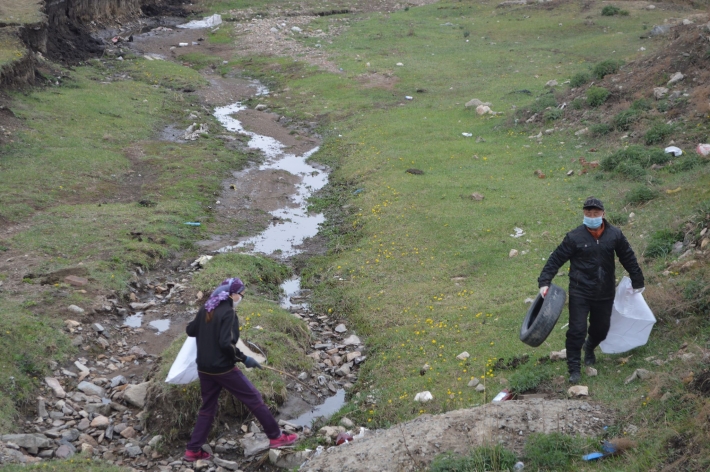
point(658, 133)
point(481, 459)
point(601, 129)
point(553, 451)
point(661, 243)
point(611, 10)
point(625, 119)
point(580, 79)
point(596, 96)
point(604, 68)
point(641, 194)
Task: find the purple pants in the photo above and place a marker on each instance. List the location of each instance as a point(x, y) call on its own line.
point(238, 385)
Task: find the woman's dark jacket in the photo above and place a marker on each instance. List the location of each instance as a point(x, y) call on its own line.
point(217, 340)
point(592, 266)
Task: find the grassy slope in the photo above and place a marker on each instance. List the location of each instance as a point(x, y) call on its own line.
point(420, 231)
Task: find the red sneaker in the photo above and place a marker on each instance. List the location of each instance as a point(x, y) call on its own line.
point(192, 456)
point(284, 440)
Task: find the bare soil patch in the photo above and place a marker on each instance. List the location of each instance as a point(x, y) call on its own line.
point(414, 444)
point(378, 80)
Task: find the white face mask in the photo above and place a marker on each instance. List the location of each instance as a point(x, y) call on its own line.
point(236, 302)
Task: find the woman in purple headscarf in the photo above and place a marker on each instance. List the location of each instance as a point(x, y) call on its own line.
point(216, 328)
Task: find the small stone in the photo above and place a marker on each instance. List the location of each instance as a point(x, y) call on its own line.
point(100, 422)
point(558, 355)
point(660, 92)
point(135, 394)
point(55, 386)
point(590, 371)
point(477, 196)
point(347, 422)
point(118, 380)
point(133, 451)
point(578, 391)
point(352, 340)
point(91, 389)
point(675, 78)
point(351, 356)
point(303, 376)
point(296, 29)
point(513, 253)
point(463, 356)
point(259, 442)
point(87, 449)
point(76, 281)
point(72, 323)
point(138, 352)
point(64, 451)
point(128, 433)
point(155, 440)
point(474, 382)
point(340, 328)
point(480, 388)
point(226, 464)
point(83, 425)
point(551, 83)
point(75, 309)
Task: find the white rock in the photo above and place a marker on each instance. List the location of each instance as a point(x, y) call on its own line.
point(551, 83)
point(480, 388)
point(591, 371)
point(513, 253)
point(75, 309)
point(474, 102)
point(351, 340)
point(296, 29)
point(135, 394)
point(675, 78)
point(400, 64)
point(463, 356)
point(581, 132)
point(558, 355)
point(340, 328)
point(660, 92)
point(423, 397)
point(483, 109)
point(72, 323)
point(474, 382)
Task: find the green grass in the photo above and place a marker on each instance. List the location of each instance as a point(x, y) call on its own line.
point(401, 239)
point(23, 370)
point(481, 459)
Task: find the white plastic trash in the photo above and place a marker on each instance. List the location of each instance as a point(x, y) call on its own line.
point(703, 149)
point(631, 321)
point(676, 151)
point(206, 22)
point(184, 369)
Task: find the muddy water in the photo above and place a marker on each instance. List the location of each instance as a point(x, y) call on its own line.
point(292, 224)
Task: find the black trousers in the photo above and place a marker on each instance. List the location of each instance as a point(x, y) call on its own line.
point(599, 312)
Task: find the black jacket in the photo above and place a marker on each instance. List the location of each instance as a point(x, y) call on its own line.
point(592, 266)
point(217, 340)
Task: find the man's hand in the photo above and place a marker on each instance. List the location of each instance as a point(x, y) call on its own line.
point(251, 363)
point(543, 291)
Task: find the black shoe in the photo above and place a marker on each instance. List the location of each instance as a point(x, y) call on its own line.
point(575, 378)
point(589, 357)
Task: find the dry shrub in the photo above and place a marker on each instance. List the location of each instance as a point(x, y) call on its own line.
point(665, 301)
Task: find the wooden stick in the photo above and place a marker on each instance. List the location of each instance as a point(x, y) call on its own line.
point(294, 378)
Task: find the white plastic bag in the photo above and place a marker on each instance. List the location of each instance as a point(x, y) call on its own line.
point(184, 369)
point(631, 321)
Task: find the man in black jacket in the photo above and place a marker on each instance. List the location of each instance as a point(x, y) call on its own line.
point(590, 248)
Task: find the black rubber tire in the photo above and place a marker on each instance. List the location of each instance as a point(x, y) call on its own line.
point(542, 316)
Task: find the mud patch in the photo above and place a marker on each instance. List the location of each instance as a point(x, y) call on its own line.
point(702, 383)
point(377, 80)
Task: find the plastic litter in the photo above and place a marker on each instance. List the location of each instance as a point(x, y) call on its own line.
point(676, 151)
point(593, 456)
point(206, 22)
point(631, 321)
point(518, 232)
point(608, 448)
point(703, 149)
point(184, 369)
point(407, 97)
point(468, 135)
point(193, 223)
point(502, 396)
point(343, 438)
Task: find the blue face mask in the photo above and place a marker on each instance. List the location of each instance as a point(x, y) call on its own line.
point(592, 223)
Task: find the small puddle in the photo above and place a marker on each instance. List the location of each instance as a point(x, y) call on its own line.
point(325, 410)
point(134, 321)
point(291, 287)
point(160, 325)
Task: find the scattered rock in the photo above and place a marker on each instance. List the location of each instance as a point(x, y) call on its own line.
point(76, 281)
point(340, 328)
point(660, 30)
point(64, 451)
point(551, 83)
point(474, 382)
point(346, 422)
point(55, 386)
point(463, 356)
point(675, 78)
point(480, 388)
point(255, 444)
point(590, 371)
point(76, 310)
point(100, 422)
point(352, 340)
point(128, 433)
point(513, 253)
point(423, 397)
point(581, 132)
point(483, 110)
point(135, 394)
point(229, 465)
point(578, 391)
point(133, 451)
point(31, 442)
point(660, 92)
point(91, 389)
point(558, 355)
point(290, 460)
point(138, 352)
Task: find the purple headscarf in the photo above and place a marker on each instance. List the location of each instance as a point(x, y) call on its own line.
point(221, 293)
